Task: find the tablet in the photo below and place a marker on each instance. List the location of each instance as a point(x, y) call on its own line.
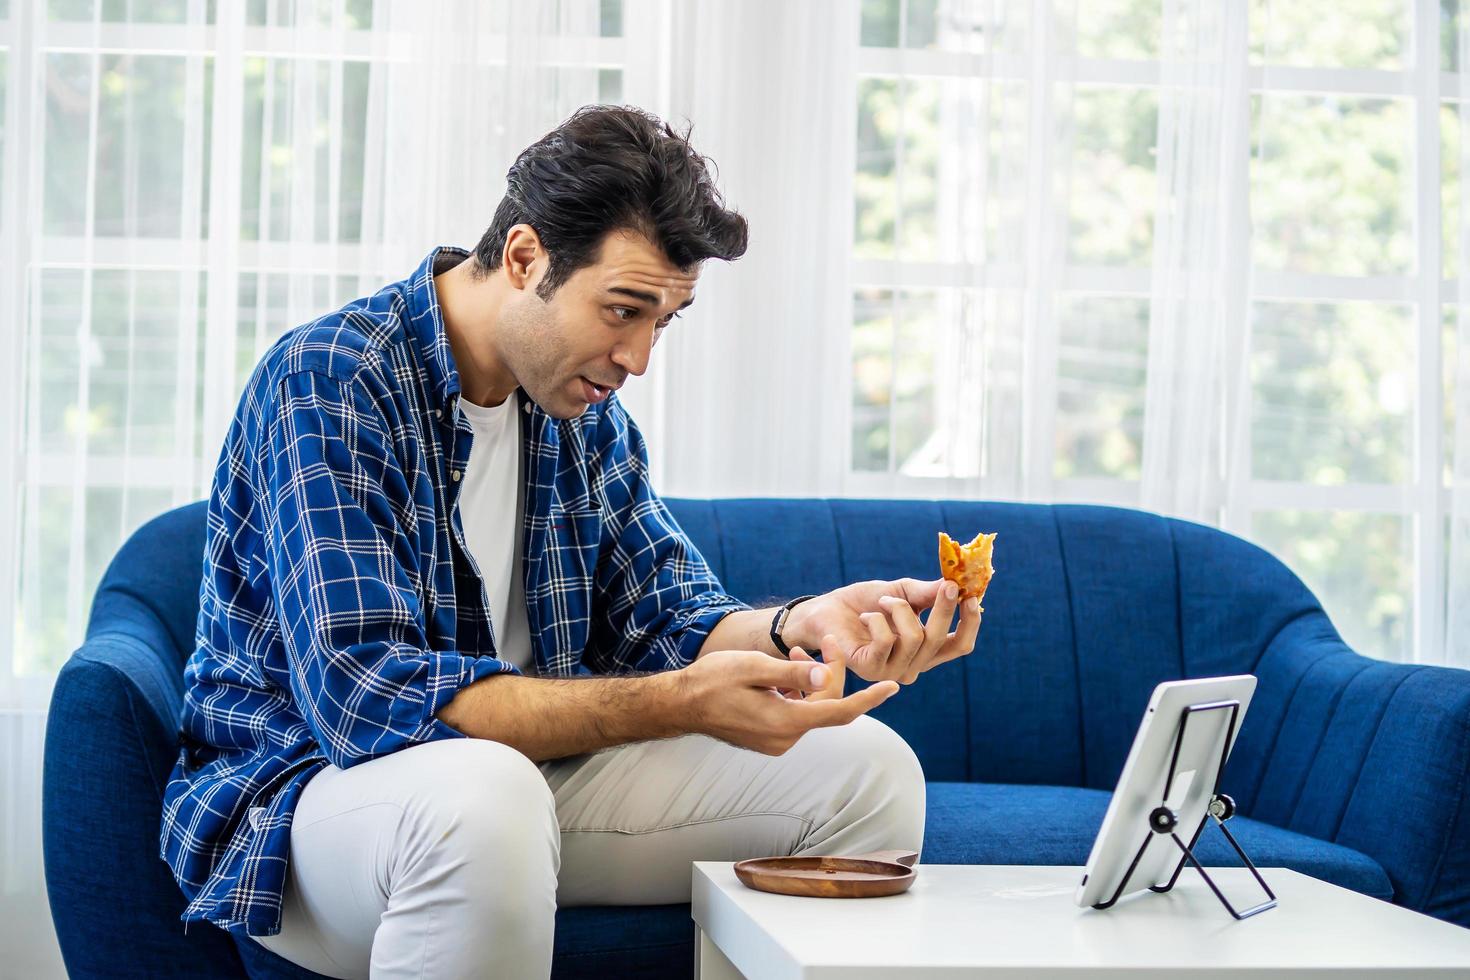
point(1141, 786)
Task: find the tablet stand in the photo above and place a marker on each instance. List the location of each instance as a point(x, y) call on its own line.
point(1163, 820)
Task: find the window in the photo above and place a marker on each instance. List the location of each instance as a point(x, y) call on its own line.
point(1004, 235)
point(192, 179)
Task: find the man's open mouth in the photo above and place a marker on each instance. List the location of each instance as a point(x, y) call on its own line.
point(595, 393)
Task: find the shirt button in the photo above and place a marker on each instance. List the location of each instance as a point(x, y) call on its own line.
point(438, 414)
point(526, 408)
point(455, 475)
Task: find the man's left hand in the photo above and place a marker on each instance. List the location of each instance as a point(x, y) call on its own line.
point(876, 624)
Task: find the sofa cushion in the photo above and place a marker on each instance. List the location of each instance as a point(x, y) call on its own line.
point(993, 823)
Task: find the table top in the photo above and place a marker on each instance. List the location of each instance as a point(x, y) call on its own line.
point(1023, 920)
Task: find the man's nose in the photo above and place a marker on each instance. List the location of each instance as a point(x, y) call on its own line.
point(633, 356)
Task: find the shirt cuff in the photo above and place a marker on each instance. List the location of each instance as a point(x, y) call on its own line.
point(693, 622)
point(455, 671)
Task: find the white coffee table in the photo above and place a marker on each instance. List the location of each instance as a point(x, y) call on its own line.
point(1009, 921)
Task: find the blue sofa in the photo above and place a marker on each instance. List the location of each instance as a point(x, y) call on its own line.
point(1347, 769)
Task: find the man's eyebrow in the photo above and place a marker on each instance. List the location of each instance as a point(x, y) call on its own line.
point(643, 297)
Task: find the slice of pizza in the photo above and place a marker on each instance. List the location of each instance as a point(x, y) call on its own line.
point(967, 565)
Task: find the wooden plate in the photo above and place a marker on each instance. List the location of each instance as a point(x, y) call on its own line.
point(857, 876)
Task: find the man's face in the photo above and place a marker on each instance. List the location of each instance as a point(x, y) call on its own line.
point(598, 327)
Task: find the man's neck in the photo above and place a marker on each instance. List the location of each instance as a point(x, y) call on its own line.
point(471, 307)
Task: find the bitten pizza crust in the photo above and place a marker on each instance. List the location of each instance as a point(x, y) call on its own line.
point(967, 565)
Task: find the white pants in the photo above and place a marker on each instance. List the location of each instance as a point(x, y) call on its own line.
point(449, 859)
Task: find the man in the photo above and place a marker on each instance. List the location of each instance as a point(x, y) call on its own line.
point(432, 519)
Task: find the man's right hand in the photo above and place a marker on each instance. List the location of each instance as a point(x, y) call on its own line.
point(734, 696)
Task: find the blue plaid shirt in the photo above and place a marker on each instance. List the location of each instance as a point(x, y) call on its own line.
point(340, 610)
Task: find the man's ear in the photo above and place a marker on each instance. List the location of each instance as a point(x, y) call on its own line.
point(523, 260)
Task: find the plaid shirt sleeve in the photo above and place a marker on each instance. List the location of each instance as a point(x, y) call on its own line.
point(660, 599)
point(344, 578)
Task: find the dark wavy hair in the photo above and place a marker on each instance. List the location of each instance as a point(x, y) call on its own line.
point(606, 169)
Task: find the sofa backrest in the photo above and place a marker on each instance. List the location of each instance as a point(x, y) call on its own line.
point(1090, 608)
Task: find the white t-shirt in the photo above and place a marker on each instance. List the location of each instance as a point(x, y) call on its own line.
point(490, 505)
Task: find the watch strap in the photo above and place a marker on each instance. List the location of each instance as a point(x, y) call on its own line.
point(778, 622)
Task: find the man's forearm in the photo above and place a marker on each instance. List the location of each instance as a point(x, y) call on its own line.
point(546, 718)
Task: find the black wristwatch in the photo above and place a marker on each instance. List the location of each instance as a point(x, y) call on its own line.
point(778, 622)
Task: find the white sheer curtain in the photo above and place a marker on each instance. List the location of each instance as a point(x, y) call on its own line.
point(968, 290)
point(1457, 358)
point(1198, 378)
point(768, 87)
point(180, 184)
point(1209, 395)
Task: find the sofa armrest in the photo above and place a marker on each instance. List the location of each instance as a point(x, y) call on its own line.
point(1371, 755)
point(107, 755)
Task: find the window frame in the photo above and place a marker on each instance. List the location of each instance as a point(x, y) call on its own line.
point(1424, 502)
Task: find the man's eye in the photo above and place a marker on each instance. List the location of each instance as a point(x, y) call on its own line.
point(632, 314)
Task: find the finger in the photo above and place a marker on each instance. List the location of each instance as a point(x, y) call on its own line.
point(936, 634)
point(910, 635)
point(797, 675)
point(942, 615)
point(962, 640)
point(961, 644)
point(945, 658)
point(920, 593)
point(836, 662)
point(880, 643)
point(798, 654)
point(841, 711)
point(832, 651)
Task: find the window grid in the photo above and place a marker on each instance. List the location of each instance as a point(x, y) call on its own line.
point(1424, 499)
point(153, 480)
